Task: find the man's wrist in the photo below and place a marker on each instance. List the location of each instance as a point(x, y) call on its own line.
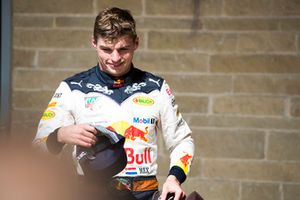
point(53, 145)
point(178, 173)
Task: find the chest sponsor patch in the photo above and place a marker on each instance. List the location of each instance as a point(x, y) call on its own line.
point(90, 102)
point(143, 101)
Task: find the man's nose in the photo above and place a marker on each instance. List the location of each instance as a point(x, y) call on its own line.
point(115, 56)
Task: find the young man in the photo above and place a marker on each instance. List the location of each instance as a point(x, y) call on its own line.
point(125, 99)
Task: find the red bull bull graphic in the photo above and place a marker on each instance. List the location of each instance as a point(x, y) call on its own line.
point(132, 133)
point(185, 161)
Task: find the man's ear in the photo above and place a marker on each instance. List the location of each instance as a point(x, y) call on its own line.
point(94, 42)
point(136, 43)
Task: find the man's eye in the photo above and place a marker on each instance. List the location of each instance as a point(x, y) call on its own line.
point(124, 49)
point(106, 50)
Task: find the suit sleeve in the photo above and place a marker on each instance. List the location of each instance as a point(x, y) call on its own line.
point(57, 114)
point(177, 135)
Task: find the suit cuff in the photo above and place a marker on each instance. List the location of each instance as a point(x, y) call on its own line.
point(178, 173)
point(52, 143)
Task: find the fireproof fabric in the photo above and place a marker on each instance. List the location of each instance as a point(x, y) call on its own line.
point(138, 106)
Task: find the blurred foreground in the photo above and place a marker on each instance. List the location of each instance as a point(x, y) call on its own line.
point(28, 175)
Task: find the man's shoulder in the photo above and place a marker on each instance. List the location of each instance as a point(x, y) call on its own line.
point(83, 75)
point(76, 81)
point(149, 78)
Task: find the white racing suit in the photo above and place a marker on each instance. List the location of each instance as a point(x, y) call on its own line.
point(136, 106)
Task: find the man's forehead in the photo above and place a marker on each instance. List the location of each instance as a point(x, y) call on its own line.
point(124, 38)
point(120, 41)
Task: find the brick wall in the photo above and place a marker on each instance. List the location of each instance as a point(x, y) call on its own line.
point(234, 66)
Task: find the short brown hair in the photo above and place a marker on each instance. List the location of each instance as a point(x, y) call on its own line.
point(114, 22)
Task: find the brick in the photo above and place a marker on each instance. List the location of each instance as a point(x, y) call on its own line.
point(170, 62)
point(33, 21)
point(67, 59)
point(135, 6)
point(229, 144)
point(75, 21)
point(199, 83)
point(290, 24)
point(249, 105)
point(23, 58)
point(255, 64)
point(43, 79)
point(163, 166)
point(213, 189)
point(284, 146)
point(52, 38)
point(31, 99)
point(265, 84)
point(201, 41)
point(266, 191)
point(23, 131)
point(192, 104)
point(251, 170)
point(196, 166)
point(247, 7)
point(224, 121)
point(286, 8)
point(291, 191)
point(188, 7)
point(295, 107)
point(267, 42)
point(245, 24)
point(152, 23)
point(28, 115)
point(52, 6)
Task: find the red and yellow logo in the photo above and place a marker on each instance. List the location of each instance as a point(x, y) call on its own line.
point(130, 132)
point(185, 161)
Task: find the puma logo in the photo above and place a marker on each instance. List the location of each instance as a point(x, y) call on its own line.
point(154, 81)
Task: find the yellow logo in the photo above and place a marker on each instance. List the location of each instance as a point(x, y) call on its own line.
point(48, 114)
point(144, 101)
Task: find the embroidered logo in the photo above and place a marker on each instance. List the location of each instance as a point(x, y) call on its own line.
point(99, 88)
point(134, 87)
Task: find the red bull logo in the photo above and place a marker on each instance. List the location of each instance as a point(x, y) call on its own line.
point(186, 160)
point(132, 133)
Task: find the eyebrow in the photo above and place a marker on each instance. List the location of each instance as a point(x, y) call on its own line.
point(105, 47)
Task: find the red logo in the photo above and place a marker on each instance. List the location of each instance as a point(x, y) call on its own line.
point(132, 133)
point(186, 159)
point(118, 83)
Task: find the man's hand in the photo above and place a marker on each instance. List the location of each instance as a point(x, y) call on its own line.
point(82, 135)
point(172, 185)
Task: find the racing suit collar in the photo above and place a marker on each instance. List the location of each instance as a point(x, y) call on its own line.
point(112, 82)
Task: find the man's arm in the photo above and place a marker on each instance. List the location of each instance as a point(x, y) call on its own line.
point(177, 137)
point(56, 115)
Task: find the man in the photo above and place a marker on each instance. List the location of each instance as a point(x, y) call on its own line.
point(122, 98)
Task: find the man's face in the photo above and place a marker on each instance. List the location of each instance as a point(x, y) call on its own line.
point(115, 56)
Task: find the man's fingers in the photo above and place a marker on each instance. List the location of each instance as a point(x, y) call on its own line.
point(163, 195)
point(90, 128)
point(178, 195)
